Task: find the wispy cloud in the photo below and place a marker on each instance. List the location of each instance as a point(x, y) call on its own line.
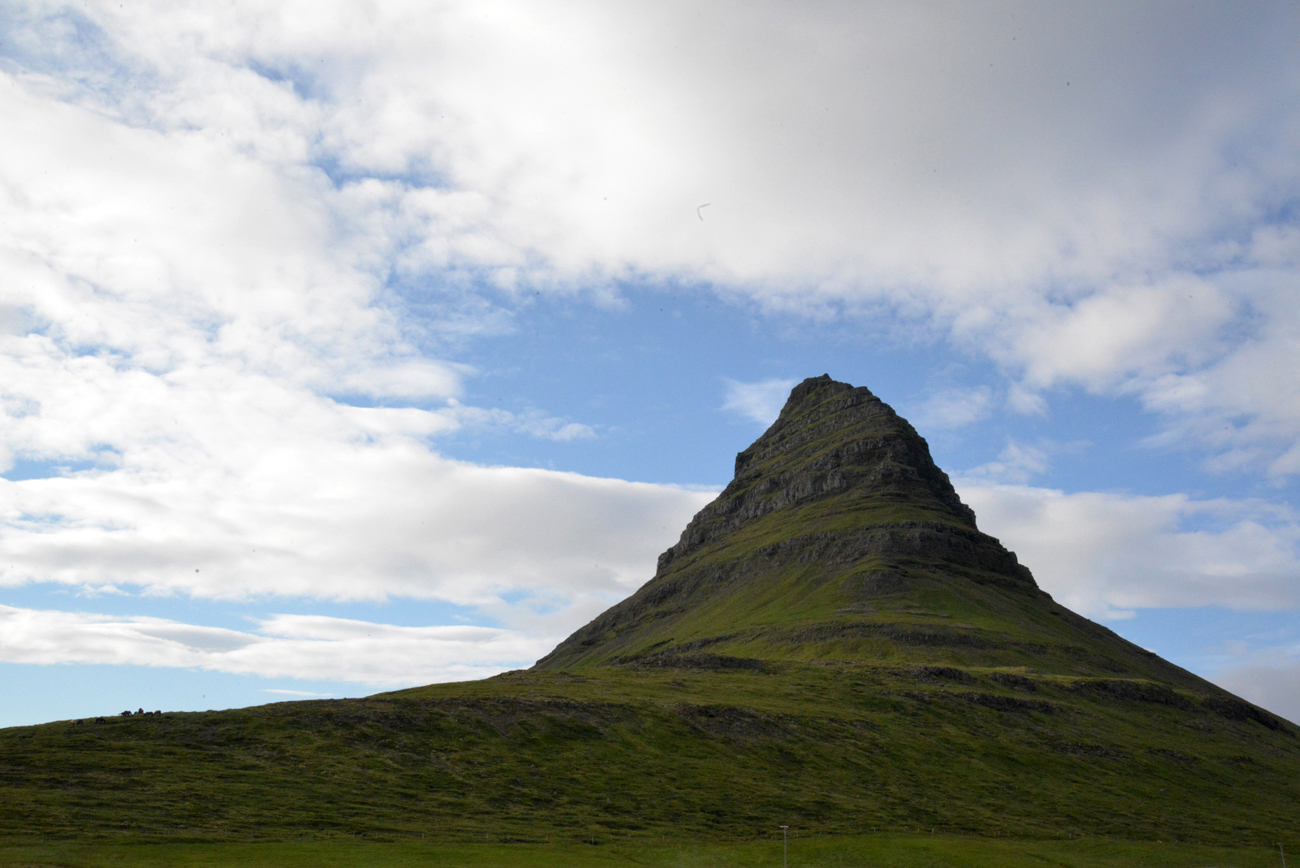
point(761, 402)
point(1017, 464)
point(956, 408)
point(296, 646)
point(321, 518)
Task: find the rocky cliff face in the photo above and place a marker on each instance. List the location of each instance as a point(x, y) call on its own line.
point(831, 439)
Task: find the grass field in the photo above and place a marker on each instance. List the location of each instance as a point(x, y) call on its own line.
point(923, 851)
point(641, 754)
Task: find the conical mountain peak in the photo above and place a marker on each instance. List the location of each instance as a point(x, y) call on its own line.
point(836, 507)
point(831, 439)
point(839, 540)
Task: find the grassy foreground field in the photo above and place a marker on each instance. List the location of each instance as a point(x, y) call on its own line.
point(654, 754)
point(920, 851)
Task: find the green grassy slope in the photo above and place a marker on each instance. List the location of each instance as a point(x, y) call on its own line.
point(536, 756)
point(833, 645)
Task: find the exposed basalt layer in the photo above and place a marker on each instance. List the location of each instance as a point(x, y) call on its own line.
point(830, 439)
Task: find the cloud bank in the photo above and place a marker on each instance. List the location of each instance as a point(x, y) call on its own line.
point(298, 646)
point(1102, 198)
point(329, 520)
point(1106, 554)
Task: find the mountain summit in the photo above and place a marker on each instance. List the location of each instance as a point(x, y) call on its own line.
point(839, 539)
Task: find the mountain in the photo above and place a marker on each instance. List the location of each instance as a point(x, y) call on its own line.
point(832, 644)
point(840, 540)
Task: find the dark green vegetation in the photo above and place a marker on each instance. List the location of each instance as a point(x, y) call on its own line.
point(832, 645)
point(897, 851)
point(725, 753)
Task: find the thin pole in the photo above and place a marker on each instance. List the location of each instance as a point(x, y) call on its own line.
point(785, 847)
point(1283, 852)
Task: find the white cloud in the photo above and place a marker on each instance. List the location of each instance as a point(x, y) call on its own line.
point(1124, 330)
point(297, 646)
point(1246, 405)
point(538, 424)
point(761, 402)
point(1017, 464)
point(180, 311)
point(333, 519)
point(942, 146)
point(955, 408)
point(1049, 181)
point(1104, 554)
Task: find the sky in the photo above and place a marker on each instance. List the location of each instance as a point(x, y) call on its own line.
point(350, 346)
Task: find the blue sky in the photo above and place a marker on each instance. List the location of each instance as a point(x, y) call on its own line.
point(349, 347)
